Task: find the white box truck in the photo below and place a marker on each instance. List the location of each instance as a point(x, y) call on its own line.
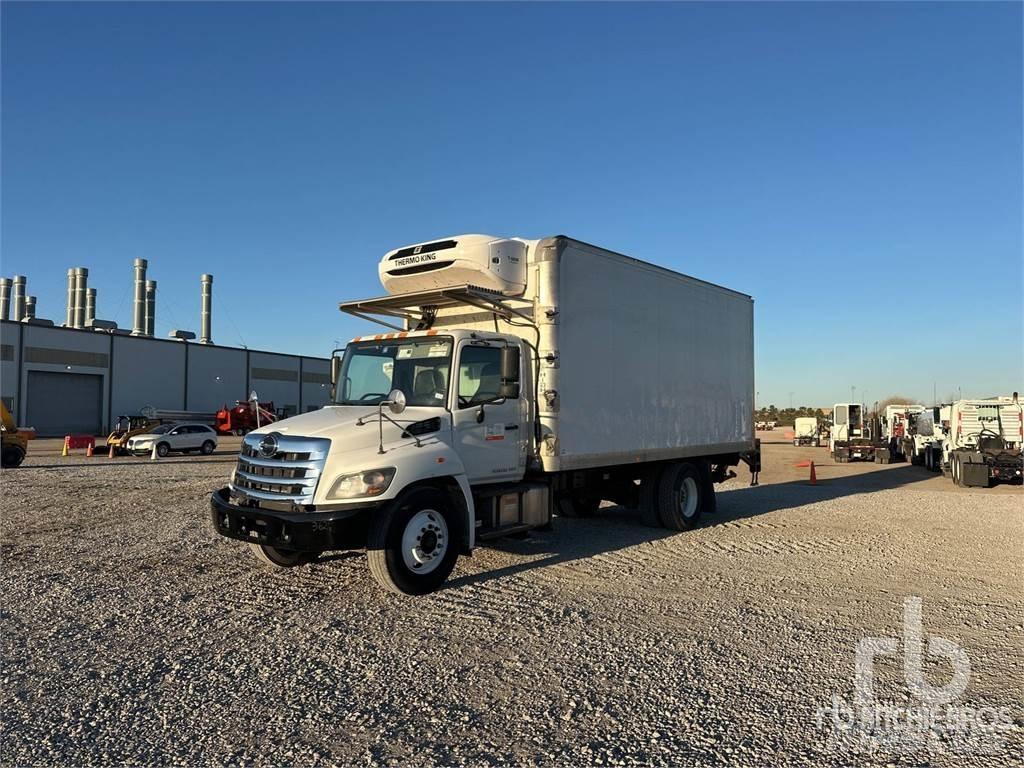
point(519, 379)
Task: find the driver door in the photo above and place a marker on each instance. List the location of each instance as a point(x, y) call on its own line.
point(489, 435)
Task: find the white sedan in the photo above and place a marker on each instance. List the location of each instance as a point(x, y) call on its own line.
point(183, 437)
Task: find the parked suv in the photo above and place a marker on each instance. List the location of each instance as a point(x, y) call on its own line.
point(183, 437)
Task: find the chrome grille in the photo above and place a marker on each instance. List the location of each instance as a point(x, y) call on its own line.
point(289, 476)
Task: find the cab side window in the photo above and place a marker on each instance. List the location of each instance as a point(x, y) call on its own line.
point(479, 376)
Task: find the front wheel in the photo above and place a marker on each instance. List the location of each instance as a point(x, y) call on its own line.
point(279, 558)
point(412, 544)
point(12, 457)
point(162, 450)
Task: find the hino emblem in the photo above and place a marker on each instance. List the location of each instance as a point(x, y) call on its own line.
point(268, 446)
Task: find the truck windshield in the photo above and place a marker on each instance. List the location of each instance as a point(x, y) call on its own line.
point(419, 367)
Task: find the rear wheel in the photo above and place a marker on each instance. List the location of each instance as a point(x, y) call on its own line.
point(208, 447)
point(411, 548)
point(680, 494)
point(279, 558)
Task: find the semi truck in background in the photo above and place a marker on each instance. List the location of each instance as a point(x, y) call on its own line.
point(894, 423)
point(982, 444)
point(848, 439)
point(923, 429)
point(806, 431)
point(519, 379)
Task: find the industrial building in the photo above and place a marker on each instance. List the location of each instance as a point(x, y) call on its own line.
point(79, 377)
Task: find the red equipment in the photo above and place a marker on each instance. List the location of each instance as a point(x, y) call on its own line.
point(241, 419)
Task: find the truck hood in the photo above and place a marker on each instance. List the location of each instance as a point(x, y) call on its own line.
point(339, 424)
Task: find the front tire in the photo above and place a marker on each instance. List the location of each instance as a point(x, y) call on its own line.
point(12, 456)
point(412, 545)
point(162, 449)
point(279, 558)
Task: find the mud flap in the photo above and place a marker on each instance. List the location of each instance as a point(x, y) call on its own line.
point(974, 471)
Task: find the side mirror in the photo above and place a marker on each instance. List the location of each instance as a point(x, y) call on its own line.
point(396, 401)
point(509, 372)
point(335, 375)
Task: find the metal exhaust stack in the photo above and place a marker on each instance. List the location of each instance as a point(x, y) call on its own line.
point(81, 285)
point(19, 297)
point(139, 303)
point(69, 319)
point(5, 298)
point(30, 308)
point(204, 320)
point(150, 318)
point(90, 306)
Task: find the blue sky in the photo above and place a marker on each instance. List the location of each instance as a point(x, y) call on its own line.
point(841, 163)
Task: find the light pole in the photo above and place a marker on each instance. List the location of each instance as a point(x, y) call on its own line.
point(853, 394)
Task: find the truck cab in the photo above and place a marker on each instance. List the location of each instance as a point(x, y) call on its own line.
point(848, 439)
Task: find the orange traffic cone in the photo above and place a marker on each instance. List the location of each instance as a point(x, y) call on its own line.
point(110, 450)
point(814, 477)
point(89, 450)
point(64, 451)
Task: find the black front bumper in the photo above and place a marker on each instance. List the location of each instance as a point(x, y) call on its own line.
point(301, 531)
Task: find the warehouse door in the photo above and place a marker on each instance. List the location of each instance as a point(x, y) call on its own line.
point(64, 403)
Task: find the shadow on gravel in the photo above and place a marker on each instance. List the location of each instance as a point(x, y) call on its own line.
point(739, 503)
point(611, 529)
point(615, 528)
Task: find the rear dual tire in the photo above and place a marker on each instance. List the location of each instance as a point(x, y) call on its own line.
point(674, 496)
point(680, 496)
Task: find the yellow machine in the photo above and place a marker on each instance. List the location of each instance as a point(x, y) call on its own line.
point(13, 441)
point(128, 426)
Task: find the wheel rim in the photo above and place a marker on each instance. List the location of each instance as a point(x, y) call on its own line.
point(424, 541)
point(688, 497)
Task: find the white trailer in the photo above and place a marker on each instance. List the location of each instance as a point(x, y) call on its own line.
point(983, 443)
point(521, 378)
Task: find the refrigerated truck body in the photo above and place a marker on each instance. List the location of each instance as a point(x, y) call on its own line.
point(516, 379)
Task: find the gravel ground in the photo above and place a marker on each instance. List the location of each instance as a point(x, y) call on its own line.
point(133, 634)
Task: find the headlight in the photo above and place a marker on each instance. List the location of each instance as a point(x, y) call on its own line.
point(372, 482)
